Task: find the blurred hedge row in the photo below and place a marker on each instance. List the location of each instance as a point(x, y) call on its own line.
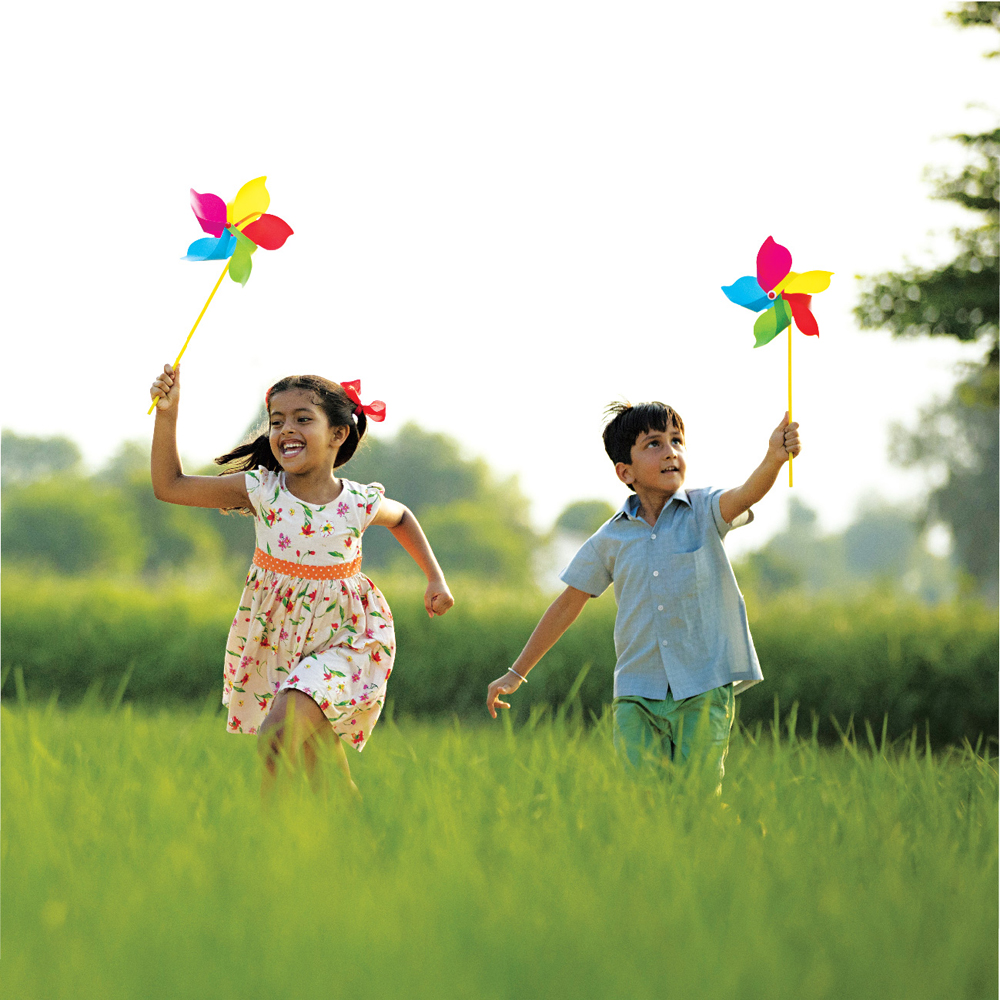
point(865, 657)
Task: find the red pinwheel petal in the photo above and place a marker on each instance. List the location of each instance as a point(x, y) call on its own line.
point(773, 263)
point(268, 232)
point(802, 314)
point(210, 211)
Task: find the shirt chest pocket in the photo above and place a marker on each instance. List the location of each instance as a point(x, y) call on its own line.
point(689, 599)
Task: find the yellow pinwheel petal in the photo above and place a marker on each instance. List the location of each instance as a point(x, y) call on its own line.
point(809, 283)
point(250, 203)
point(780, 286)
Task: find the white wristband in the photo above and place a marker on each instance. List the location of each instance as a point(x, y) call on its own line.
point(516, 674)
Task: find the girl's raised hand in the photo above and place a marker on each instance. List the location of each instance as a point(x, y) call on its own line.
point(166, 389)
point(437, 598)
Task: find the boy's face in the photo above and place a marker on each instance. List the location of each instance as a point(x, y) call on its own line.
point(658, 462)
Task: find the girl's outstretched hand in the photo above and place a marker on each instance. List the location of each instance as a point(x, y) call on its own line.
point(166, 389)
point(507, 684)
point(437, 598)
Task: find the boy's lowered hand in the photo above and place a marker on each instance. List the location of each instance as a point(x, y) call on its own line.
point(558, 617)
point(507, 684)
point(784, 441)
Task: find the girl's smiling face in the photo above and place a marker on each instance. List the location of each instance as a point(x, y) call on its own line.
point(301, 437)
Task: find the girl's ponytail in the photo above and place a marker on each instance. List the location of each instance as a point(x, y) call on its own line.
point(355, 432)
point(251, 455)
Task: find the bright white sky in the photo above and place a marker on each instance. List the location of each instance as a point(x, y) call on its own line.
point(506, 215)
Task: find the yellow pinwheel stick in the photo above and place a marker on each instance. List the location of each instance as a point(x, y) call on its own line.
point(195, 327)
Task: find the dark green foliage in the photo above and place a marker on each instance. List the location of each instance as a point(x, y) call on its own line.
point(467, 538)
point(70, 525)
point(476, 524)
point(419, 468)
point(866, 656)
point(112, 523)
point(977, 15)
point(958, 299)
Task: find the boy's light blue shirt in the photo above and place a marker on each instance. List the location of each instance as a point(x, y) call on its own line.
point(681, 621)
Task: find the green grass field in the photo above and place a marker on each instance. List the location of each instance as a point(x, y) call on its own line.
point(487, 861)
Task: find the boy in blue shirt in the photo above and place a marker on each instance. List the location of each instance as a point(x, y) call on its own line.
point(682, 641)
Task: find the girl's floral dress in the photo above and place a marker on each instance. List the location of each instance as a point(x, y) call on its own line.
point(309, 619)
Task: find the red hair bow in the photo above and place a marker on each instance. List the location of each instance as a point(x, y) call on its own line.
point(375, 410)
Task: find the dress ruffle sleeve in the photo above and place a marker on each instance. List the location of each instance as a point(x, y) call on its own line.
point(262, 485)
point(374, 494)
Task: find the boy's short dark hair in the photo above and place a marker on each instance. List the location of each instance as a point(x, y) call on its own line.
point(628, 422)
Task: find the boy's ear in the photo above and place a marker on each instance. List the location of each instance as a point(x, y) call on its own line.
point(624, 472)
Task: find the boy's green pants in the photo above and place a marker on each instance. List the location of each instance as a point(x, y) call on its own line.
point(673, 730)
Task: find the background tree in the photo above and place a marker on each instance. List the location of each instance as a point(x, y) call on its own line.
point(111, 522)
point(883, 548)
point(28, 459)
point(584, 517)
point(958, 299)
point(476, 524)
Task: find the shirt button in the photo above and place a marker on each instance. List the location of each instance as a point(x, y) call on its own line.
point(659, 607)
point(663, 642)
point(652, 536)
point(656, 572)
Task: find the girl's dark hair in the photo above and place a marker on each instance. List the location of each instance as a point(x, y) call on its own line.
point(628, 422)
point(329, 396)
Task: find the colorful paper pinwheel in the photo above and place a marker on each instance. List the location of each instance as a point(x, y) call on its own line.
point(779, 290)
point(785, 296)
point(236, 229)
point(239, 228)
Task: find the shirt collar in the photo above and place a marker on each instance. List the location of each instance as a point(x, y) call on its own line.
point(631, 505)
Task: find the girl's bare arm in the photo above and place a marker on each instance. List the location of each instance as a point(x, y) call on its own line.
point(169, 482)
point(406, 530)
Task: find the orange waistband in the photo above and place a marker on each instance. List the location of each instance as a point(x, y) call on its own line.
point(304, 571)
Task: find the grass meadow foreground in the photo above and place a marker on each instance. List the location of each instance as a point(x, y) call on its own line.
point(487, 861)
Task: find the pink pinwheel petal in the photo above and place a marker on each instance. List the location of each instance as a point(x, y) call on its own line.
point(773, 263)
point(268, 232)
point(801, 313)
point(210, 211)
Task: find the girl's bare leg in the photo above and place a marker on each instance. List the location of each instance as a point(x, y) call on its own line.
point(296, 725)
point(325, 744)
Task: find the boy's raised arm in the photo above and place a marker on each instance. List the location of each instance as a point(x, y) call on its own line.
point(784, 441)
point(558, 617)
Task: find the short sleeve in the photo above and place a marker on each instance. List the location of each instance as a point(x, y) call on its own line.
point(373, 495)
point(587, 571)
point(262, 487)
point(721, 524)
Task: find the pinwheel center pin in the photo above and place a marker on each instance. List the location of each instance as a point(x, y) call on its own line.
point(786, 301)
point(233, 241)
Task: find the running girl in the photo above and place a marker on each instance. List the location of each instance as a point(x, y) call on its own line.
point(311, 647)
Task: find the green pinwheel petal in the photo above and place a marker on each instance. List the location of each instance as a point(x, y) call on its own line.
point(769, 324)
point(240, 265)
